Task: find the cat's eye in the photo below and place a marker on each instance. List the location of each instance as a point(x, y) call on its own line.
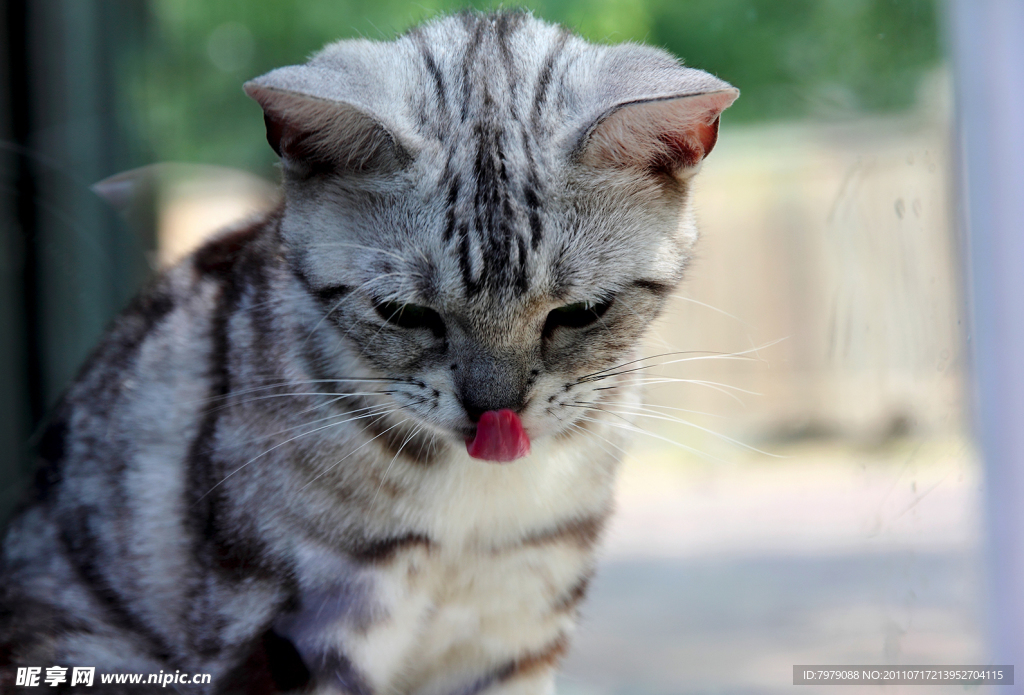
point(411, 316)
point(576, 315)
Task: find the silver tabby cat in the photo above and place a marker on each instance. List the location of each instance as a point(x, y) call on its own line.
point(357, 446)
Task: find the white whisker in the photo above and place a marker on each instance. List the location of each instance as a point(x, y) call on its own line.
point(326, 244)
point(286, 441)
point(393, 459)
point(721, 388)
point(712, 308)
point(589, 433)
point(662, 379)
point(348, 295)
point(379, 407)
point(638, 412)
point(358, 448)
point(741, 355)
point(352, 394)
point(630, 427)
point(297, 382)
point(656, 405)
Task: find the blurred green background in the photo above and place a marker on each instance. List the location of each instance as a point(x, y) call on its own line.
point(791, 58)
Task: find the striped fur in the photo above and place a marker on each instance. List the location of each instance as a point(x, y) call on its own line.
point(262, 476)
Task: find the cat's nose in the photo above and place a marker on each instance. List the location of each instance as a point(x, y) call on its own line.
point(486, 382)
point(476, 404)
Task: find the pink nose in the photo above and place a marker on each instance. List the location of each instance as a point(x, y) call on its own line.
point(499, 437)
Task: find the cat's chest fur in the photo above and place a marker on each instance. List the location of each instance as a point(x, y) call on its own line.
point(497, 543)
point(431, 611)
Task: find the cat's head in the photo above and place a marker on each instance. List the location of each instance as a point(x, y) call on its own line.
point(489, 208)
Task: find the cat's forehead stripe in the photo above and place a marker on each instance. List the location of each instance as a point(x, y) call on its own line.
point(493, 217)
point(544, 77)
point(486, 218)
point(435, 72)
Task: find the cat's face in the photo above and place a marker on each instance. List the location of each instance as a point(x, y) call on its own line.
point(487, 225)
point(477, 321)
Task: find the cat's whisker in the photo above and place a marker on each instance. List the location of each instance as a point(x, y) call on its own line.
point(682, 298)
point(288, 381)
point(663, 364)
point(715, 386)
point(630, 427)
point(300, 394)
point(741, 355)
point(296, 382)
point(591, 433)
point(699, 353)
point(367, 409)
point(640, 411)
point(286, 441)
point(600, 440)
point(348, 295)
point(377, 406)
point(663, 379)
point(326, 404)
point(691, 300)
point(720, 388)
point(329, 244)
point(394, 458)
point(643, 319)
point(357, 449)
point(654, 405)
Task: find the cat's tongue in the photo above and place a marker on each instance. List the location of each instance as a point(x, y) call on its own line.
point(499, 437)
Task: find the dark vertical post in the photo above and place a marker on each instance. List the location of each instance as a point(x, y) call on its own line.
point(67, 264)
point(21, 395)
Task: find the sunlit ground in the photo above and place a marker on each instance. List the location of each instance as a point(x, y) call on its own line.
point(719, 577)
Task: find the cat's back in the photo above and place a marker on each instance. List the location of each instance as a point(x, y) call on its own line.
point(105, 520)
point(162, 359)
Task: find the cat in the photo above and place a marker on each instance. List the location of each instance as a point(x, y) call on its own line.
point(357, 446)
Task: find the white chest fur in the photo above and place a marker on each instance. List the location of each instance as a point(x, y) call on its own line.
point(508, 547)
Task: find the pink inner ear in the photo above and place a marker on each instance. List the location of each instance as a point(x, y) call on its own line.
point(665, 137)
point(708, 135)
point(688, 148)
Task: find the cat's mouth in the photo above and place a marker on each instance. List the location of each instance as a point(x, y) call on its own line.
point(500, 437)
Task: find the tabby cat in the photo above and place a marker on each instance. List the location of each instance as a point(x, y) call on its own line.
point(357, 446)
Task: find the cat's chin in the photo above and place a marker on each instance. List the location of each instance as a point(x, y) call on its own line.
point(500, 437)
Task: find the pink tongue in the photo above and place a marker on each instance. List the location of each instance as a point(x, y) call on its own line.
point(499, 437)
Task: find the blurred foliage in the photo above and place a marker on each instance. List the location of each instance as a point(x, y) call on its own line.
point(790, 58)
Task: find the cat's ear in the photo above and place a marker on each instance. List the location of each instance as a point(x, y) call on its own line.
point(670, 135)
point(313, 134)
point(664, 124)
